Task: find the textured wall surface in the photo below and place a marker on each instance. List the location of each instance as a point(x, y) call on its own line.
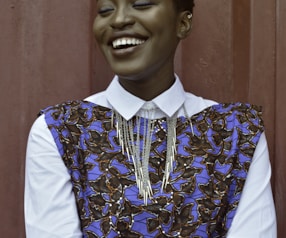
point(236, 52)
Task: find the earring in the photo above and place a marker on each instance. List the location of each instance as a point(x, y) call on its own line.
point(189, 16)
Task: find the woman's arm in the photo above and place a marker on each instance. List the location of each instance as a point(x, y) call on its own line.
point(50, 207)
point(255, 216)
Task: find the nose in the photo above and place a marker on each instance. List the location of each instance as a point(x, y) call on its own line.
point(121, 18)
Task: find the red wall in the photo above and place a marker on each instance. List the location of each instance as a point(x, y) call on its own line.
point(236, 52)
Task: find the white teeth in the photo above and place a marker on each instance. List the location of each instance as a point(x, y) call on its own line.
point(121, 42)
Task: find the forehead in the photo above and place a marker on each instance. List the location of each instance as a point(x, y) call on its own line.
point(137, 1)
point(168, 4)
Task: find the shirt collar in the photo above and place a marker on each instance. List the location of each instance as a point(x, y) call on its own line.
point(128, 104)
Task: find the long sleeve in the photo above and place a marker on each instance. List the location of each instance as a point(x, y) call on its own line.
point(50, 207)
point(255, 216)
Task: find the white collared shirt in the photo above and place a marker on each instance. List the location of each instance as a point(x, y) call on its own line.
point(50, 207)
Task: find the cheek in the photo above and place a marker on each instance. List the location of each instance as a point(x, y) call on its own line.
point(98, 30)
point(166, 31)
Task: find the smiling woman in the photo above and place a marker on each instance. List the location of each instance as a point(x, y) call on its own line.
point(144, 158)
point(156, 27)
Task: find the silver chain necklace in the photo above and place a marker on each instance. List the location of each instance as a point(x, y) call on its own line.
point(138, 151)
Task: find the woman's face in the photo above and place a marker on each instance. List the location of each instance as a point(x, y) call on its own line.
point(138, 37)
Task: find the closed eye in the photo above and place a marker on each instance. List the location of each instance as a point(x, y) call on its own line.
point(142, 5)
point(105, 11)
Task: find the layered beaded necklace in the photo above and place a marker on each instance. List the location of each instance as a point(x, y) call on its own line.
point(137, 146)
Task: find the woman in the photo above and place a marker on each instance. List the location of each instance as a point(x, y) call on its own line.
point(144, 158)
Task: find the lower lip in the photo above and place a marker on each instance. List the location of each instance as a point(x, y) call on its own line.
point(126, 51)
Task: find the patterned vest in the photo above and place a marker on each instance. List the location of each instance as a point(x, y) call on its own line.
point(204, 190)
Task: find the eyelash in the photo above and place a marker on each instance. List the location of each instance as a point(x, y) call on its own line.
point(105, 11)
point(143, 5)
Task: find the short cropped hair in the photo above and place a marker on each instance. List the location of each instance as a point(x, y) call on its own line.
point(184, 5)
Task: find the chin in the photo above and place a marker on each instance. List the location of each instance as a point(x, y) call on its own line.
point(129, 71)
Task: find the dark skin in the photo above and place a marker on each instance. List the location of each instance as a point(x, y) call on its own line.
point(139, 39)
point(153, 84)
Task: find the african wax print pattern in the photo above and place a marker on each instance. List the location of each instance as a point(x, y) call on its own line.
point(214, 151)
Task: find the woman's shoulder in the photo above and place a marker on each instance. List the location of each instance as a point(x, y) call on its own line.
point(237, 107)
point(243, 116)
point(201, 104)
point(74, 112)
point(239, 112)
point(62, 108)
point(90, 101)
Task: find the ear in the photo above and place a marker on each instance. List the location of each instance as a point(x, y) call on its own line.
point(184, 24)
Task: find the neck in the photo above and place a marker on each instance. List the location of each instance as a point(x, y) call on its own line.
point(150, 87)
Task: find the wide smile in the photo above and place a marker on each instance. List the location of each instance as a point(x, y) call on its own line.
point(126, 42)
